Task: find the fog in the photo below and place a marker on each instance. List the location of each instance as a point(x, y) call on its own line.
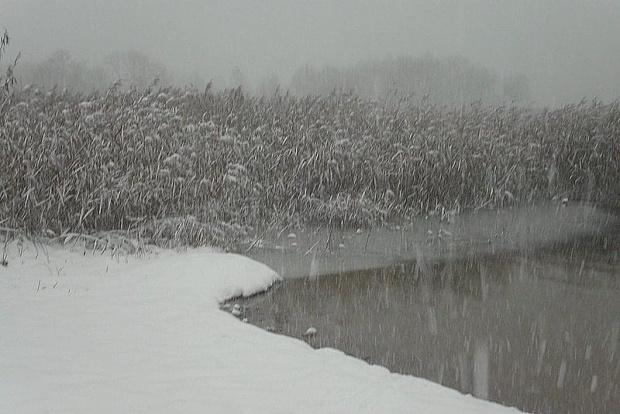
point(567, 48)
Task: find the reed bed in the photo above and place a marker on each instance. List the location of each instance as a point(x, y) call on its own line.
point(172, 166)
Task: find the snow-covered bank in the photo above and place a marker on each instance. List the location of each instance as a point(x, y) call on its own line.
point(84, 333)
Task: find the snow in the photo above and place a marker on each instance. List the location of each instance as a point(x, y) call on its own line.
point(311, 331)
point(95, 333)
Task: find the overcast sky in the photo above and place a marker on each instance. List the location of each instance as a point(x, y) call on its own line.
point(568, 48)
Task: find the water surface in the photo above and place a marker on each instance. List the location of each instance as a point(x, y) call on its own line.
point(520, 307)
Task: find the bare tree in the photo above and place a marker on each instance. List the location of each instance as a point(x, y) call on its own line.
point(269, 85)
point(60, 70)
point(237, 78)
point(516, 89)
point(136, 69)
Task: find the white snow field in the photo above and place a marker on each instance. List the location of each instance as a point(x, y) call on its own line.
point(91, 333)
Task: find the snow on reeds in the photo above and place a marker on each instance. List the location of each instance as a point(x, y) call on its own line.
point(172, 166)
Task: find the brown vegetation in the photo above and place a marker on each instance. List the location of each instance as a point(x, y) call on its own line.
point(206, 168)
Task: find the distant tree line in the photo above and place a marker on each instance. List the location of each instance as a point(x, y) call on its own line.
point(61, 70)
point(445, 81)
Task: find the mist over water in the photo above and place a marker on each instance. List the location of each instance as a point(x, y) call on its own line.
point(567, 49)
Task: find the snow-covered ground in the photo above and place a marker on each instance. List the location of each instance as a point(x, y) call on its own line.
point(90, 333)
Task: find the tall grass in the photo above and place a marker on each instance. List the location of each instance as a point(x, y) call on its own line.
point(207, 168)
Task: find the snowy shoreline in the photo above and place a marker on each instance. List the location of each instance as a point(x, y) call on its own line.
point(84, 332)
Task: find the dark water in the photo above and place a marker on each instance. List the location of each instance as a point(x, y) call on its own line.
point(519, 307)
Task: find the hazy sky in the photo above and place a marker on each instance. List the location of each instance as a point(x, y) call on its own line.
point(568, 48)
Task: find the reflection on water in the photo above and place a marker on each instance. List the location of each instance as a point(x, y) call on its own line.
point(533, 328)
